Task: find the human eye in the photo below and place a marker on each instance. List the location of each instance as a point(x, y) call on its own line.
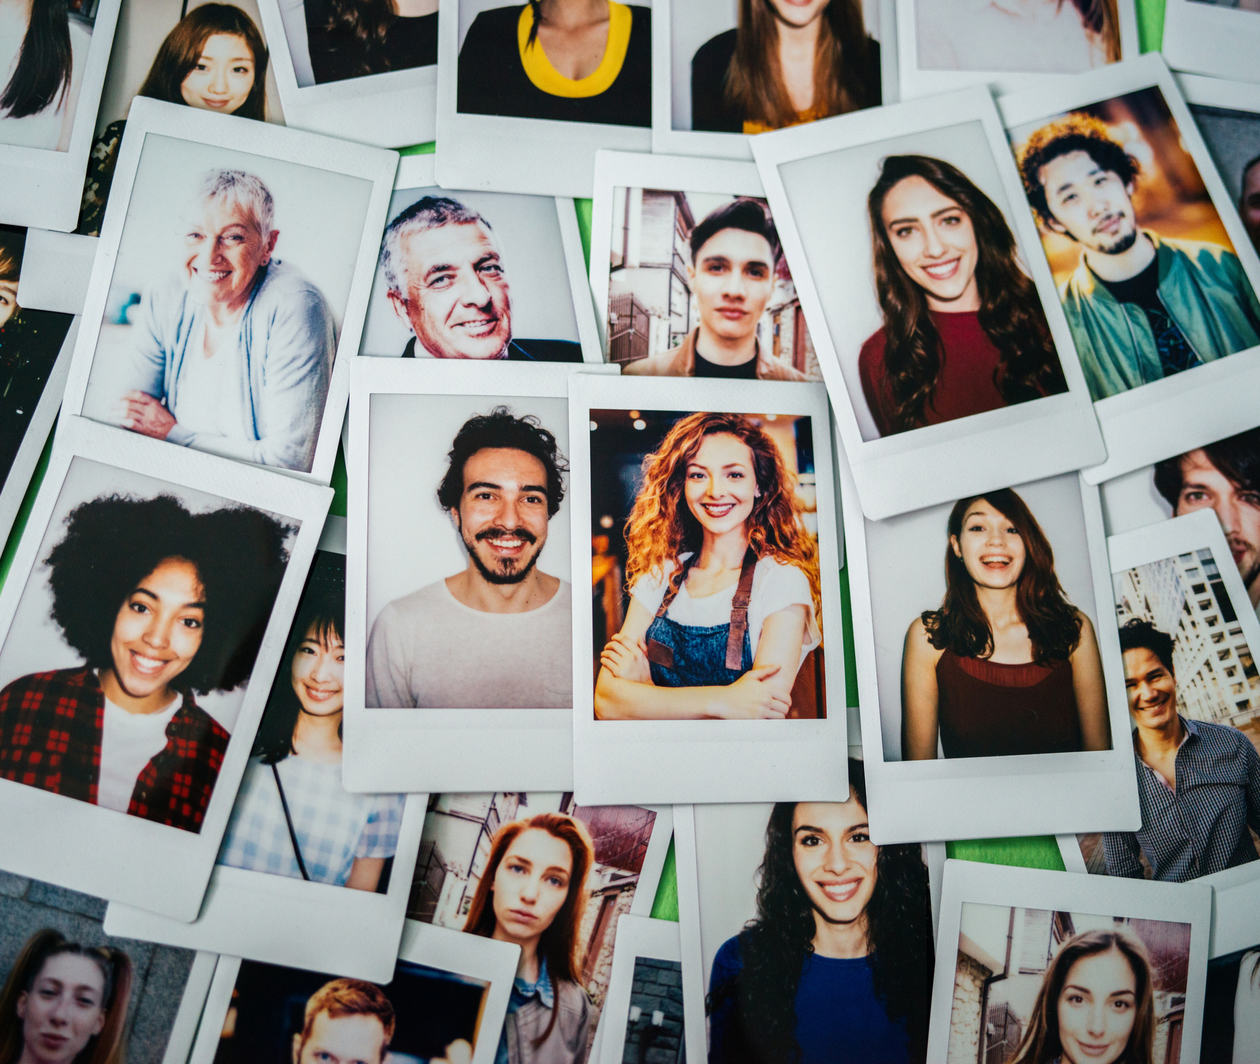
point(494, 269)
point(194, 236)
point(695, 474)
point(810, 840)
point(952, 219)
point(757, 271)
point(1074, 997)
point(1122, 1004)
point(736, 474)
point(1251, 498)
point(556, 881)
point(242, 68)
point(975, 526)
point(138, 606)
point(191, 622)
point(1011, 530)
point(903, 232)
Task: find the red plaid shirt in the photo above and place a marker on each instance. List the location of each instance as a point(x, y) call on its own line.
point(50, 737)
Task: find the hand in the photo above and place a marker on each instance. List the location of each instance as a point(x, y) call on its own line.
point(754, 696)
point(626, 659)
point(458, 1052)
point(143, 414)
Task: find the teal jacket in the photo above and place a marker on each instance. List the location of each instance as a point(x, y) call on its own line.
point(1205, 292)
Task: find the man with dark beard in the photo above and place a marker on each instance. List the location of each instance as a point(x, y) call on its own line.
point(1141, 306)
point(497, 634)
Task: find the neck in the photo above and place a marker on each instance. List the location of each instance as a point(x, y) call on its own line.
point(724, 351)
point(1159, 741)
point(153, 703)
point(476, 592)
point(725, 551)
point(527, 968)
point(845, 941)
point(999, 606)
point(1127, 264)
point(798, 41)
point(414, 8)
point(316, 737)
point(967, 303)
point(564, 14)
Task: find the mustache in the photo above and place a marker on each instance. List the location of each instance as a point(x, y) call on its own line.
point(498, 533)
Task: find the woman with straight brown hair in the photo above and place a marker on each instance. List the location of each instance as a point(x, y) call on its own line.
point(43, 50)
point(533, 893)
point(65, 1003)
point(787, 62)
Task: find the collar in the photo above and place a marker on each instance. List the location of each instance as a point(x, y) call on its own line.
point(410, 352)
point(541, 987)
point(1190, 730)
point(1093, 287)
point(692, 345)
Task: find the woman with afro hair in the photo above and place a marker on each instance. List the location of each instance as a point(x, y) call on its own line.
point(160, 604)
point(837, 963)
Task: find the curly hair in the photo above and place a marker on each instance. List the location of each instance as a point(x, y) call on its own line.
point(661, 527)
point(774, 944)
point(45, 62)
point(113, 542)
point(181, 50)
point(108, 1047)
point(1041, 1043)
point(1077, 131)
point(1010, 311)
point(960, 625)
point(322, 608)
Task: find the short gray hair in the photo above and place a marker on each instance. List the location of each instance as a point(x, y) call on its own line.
point(428, 212)
point(244, 190)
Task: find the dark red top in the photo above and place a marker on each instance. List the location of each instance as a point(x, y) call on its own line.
point(964, 386)
point(987, 709)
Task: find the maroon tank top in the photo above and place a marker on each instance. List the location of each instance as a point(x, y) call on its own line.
point(987, 709)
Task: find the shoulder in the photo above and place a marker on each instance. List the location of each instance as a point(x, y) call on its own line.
point(771, 570)
point(284, 281)
point(919, 643)
point(871, 354)
point(571, 996)
point(671, 363)
point(649, 588)
point(415, 605)
point(1219, 734)
point(715, 54)
point(536, 350)
point(641, 18)
point(59, 680)
point(729, 959)
point(198, 722)
point(1198, 253)
point(497, 23)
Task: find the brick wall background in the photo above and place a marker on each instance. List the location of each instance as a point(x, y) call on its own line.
point(966, 1017)
point(657, 987)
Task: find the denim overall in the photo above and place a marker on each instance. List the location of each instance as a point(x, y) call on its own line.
point(686, 655)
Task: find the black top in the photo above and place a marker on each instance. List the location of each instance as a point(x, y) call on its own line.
point(710, 110)
point(29, 342)
point(336, 54)
point(527, 351)
point(492, 80)
point(746, 371)
point(1142, 290)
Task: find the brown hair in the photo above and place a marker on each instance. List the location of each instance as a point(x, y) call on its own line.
point(108, 1047)
point(1041, 1042)
point(348, 997)
point(12, 247)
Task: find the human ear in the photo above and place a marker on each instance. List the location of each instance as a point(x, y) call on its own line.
point(21, 1005)
point(399, 306)
point(953, 544)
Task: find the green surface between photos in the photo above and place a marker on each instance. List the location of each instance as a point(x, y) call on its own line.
point(1028, 852)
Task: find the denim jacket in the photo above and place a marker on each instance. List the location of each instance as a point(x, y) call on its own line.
point(566, 1042)
point(1204, 290)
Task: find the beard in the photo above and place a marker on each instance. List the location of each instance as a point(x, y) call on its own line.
point(1120, 243)
point(505, 570)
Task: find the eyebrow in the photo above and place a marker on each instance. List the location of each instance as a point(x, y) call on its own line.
point(728, 465)
point(150, 594)
point(499, 487)
point(1086, 990)
point(934, 214)
point(1090, 173)
point(822, 831)
point(489, 256)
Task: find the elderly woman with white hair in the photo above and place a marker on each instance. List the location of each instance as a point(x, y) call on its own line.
point(233, 353)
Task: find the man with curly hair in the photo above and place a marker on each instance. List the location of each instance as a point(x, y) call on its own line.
point(1141, 306)
point(496, 635)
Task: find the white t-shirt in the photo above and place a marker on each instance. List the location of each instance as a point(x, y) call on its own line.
point(776, 586)
point(129, 741)
point(207, 391)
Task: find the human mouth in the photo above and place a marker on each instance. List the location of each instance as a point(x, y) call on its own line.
point(943, 271)
point(1091, 1050)
point(521, 916)
point(478, 327)
point(53, 1041)
point(316, 694)
point(1109, 225)
point(732, 313)
point(840, 891)
point(995, 561)
point(506, 542)
point(215, 105)
point(717, 509)
point(147, 666)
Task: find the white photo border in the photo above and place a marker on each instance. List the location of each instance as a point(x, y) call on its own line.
point(56, 268)
point(1203, 38)
point(637, 936)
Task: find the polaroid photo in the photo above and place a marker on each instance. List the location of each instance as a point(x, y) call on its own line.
point(1188, 639)
point(499, 865)
point(479, 275)
point(643, 1012)
point(1219, 38)
point(1155, 271)
point(55, 67)
point(1231, 1008)
point(688, 274)
point(707, 101)
point(334, 891)
point(947, 193)
point(444, 1002)
point(79, 993)
point(1222, 476)
point(56, 268)
point(1055, 965)
point(824, 866)
point(510, 118)
point(355, 73)
point(698, 676)
point(183, 52)
point(35, 347)
point(951, 44)
point(1039, 735)
point(230, 344)
point(459, 617)
point(145, 612)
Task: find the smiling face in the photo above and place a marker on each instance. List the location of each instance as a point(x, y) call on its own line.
point(63, 1010)
point(1089, 204)
point(1096, 1008)
point(1151, 687)
point(456, 299)
point(223, 76)
point(835, 859)
point(798, 12)
point(502, 515)
point(935, 243)
point(317, 672)
point(991, 548)
point(356, 1038)
point(720, 483)
point(531, 885)
point(8, 301)
point(1203, 487)
point(732, 279)
point(223, 251)
point(157, 633)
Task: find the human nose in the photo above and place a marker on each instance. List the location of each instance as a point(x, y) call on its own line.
point(319, 670)
point(1227, 513)
point(529, 889)
point(1096, 1019)
point(157, 631)
point(61, 1010)
point(933, 245)
point(473, 290)
point(218, 78)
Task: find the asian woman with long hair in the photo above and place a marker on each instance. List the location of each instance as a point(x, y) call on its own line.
point(837, 962)
point(1006, 665)
point(65, 1003)
point(964, 331)
point(1095, 1004)
point(723, 581)
point(533, 892)
point(214, 59)
point(44, 51)
point(786, 62)
point(355, 38)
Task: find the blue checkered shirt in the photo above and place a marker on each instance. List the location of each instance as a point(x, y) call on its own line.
point(1201, 827)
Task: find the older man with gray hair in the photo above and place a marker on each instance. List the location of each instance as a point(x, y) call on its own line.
point(447, 283)
point(232, 352)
